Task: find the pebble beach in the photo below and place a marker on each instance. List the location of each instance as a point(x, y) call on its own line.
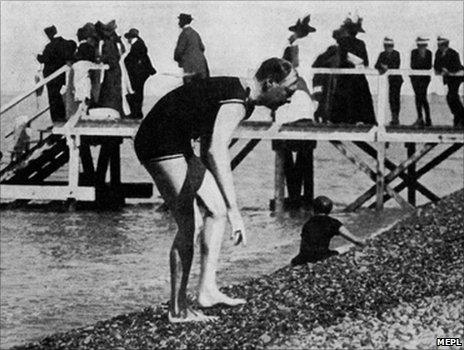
point(403, 290)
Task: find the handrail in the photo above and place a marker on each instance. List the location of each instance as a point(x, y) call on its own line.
point(37, 86)
point(31, 120)
point(371, 71)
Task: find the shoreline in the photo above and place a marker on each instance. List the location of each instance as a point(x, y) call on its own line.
point(416, 259)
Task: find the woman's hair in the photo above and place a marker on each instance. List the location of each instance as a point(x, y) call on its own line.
point(275, 69)
point(322, 205)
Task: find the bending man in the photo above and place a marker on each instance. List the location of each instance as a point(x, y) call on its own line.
point(212, 109)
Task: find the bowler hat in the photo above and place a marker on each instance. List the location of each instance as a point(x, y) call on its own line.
point(185, 17)
point(442, 40)
point(422, 40)
point(388, 41)
point(50, 31)
point(132, 33)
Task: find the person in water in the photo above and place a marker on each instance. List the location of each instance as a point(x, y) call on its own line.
point(317, 233)
point(211, 108)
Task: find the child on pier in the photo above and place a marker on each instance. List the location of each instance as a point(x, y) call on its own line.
point(317, 233)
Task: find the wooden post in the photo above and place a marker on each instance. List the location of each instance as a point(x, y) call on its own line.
point(279, 181)
point(411, 149)
point(115, 172)
point(380, 181)
point(308, 174)
point(73, 142)
point(382, 101)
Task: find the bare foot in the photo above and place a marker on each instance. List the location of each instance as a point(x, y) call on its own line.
point(190, 315)
point(217, 298)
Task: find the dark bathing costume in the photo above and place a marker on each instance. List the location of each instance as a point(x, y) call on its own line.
point(185, 114)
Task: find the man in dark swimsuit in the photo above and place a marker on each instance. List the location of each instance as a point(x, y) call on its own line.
point(210, 108)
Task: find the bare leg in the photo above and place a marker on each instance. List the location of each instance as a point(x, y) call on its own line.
point(211, 240)
point(169, 176)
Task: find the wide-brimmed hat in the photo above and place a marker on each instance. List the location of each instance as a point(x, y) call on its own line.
point(302, 28)
point(388, 41)
point(353, 22)
point(107, 29)
point(422, 40)
point(88, 30)
point(132, 33)
point(50, 31)
point(185, 17)
point(442, 40)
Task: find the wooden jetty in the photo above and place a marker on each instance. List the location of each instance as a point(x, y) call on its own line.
point(71, 142)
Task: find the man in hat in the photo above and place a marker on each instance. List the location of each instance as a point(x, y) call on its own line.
point(447, 61)
point(390, 59)
point(189, 51)
point(56, 54)
point(421, 58)
point(139, 68)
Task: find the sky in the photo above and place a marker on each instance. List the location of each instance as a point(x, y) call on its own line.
point(238, 35)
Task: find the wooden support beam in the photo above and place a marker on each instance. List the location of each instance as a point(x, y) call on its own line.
point(392, 166)
point(429, 166)
point(279, 181)
point(380, 176)
point(308, 173)
point(411, 171)
point(373, 175)
point(243, 153)
point(391, 176)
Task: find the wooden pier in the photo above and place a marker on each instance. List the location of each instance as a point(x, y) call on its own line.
point(71, 143)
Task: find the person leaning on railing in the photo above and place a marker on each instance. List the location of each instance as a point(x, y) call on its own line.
point(421, 58)
point(56, 54)
point(390, 59)
point(447, 61)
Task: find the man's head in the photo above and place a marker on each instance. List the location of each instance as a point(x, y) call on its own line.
point(442, 43)
point(322, 205)
point(131, 35)
point(422, 42)
point(184, 19)
point(388, 44)
point(50, 32)
point(278, 81)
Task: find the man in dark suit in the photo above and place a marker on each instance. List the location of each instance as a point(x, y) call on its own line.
point(56, 54)
point(189, 51)
point(447, 61)
point(390, 59)
point(421, 59)
point(139, 68)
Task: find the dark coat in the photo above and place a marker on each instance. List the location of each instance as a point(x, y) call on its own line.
point(354, 46)
point(111, 90)
point(138, 64)
point(85, 52)
point(450, 60)
point(352, 97)
point(419, 62)
point(392, 61)
point(189, 53)
point(55, 55)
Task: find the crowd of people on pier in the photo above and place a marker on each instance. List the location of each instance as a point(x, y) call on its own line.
point(340, 98)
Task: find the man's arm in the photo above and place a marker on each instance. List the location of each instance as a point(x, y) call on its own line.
point(180, 47)
point(396, 61)
point(343, 231)
point(378, 64)
point(229, 116)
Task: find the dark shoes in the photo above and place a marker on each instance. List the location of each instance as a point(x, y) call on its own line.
point(419, 123)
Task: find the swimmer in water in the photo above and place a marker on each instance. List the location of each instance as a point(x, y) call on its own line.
point(209, 108)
